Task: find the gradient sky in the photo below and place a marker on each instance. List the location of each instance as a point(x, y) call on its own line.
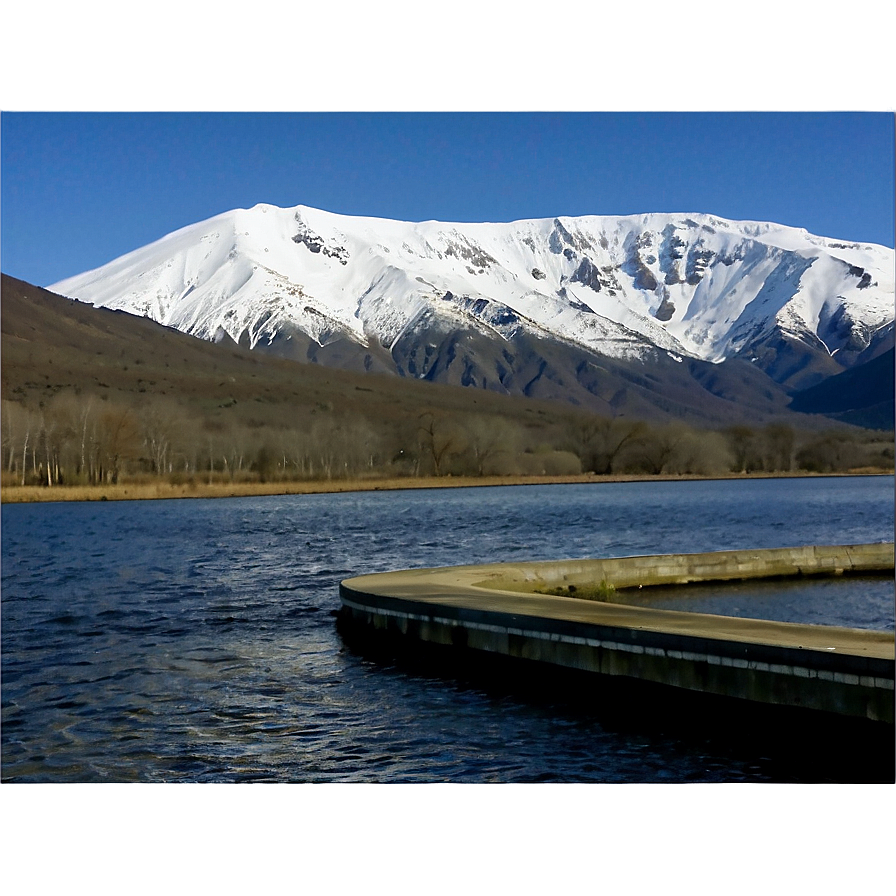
point(79, 189)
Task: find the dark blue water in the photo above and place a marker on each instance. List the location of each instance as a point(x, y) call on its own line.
point(852, 601)
point(194, 640)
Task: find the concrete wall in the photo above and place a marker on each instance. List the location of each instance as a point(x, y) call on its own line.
point(680, 569)
point(493, 609)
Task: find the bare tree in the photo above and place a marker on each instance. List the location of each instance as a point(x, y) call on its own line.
point(600, 440)
point(654, 449)
point(21, 428)
point(119, 441)
point(85, 419)
point(742, 445)
point(832, 451)
point(487, 439)
point(159, 426)
point(440, 438)
point(779, 444)
point(703, 453)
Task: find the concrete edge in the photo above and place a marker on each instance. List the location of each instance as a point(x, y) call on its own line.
point(679, 569)
point(510, 588)
point(841, 671)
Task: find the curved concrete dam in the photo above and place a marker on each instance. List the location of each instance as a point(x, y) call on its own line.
point(502, 610)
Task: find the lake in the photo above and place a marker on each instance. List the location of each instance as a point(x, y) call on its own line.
point(195, 640)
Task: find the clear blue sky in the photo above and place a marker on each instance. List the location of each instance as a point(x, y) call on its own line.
point(79, 189)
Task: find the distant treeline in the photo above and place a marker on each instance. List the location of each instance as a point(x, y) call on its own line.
point(91, 440)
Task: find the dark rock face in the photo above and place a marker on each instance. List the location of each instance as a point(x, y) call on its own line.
point(882, 340)
point(463, 248)
point(851, 337)
point(313, 242)
point(666, 310)
point(560, 238)
point(537, 274)
point(860, 274)
point(795, 363)
point(563, 242)
point(493, 314)
point(581, 306)
point(729, 259)
point(699, 260)
point(588, 274)
point(673, 244)
point(640, 254)
point(672, 250)
point(644, 278)
point(656, 389)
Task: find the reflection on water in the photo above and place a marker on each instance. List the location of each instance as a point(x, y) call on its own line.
point(855, 601)
point(195, 640)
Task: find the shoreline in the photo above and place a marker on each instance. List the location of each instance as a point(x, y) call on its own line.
point(138, 491)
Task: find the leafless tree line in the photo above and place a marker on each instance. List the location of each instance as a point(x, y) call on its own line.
point(73, 440)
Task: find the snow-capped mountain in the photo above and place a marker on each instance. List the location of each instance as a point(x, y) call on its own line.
point(397, 296)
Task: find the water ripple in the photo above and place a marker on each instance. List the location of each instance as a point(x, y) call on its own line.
point(194, 640)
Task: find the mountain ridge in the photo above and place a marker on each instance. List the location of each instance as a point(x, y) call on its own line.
point(455, 302)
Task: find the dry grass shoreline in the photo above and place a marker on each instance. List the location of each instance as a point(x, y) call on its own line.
point(136, 491)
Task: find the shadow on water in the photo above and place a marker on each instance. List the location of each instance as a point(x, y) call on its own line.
point(782, 744)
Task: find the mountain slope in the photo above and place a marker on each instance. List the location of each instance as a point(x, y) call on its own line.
point(489, 305)
point(52, 344)
point(56, 347)
point(862, 395)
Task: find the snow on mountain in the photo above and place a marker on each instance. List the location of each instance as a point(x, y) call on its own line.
point(691, 285)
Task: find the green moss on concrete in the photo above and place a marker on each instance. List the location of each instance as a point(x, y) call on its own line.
point(601, 591)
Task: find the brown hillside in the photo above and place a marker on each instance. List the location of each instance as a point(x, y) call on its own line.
point(52, 344)
point(92, 396)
